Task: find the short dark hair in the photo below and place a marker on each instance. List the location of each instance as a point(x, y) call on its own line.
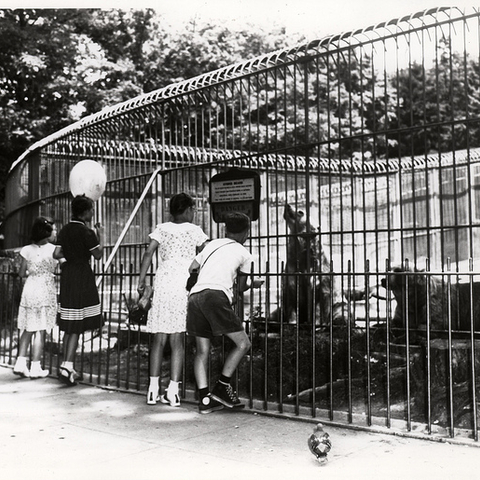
point(42, 228)
point(237, 222)
point(80, 204)
point(180, 202)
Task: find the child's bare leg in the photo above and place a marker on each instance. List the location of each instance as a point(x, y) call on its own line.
point(36, 370)
point(70, 344)
point(37, 347)
point(178, 349)
point(200, 363)
point(155, 369)
point(234, 357)
point(156, 354)
point(24, 343)
point(20, 367)
point(172, 395)
point(206, 404)
point(223, 391)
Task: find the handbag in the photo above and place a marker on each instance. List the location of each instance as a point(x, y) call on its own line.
point(137, 316)
point(192, 279)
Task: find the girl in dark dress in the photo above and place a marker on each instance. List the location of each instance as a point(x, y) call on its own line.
point(79, 301)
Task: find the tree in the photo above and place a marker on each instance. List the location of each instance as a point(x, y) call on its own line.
point(57, 66)
point(439, 106)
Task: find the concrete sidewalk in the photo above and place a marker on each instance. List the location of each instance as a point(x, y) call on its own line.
point(49, 431)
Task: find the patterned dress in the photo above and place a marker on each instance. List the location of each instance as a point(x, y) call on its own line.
point(79, 301)
point(177, 243)
point(38, 305)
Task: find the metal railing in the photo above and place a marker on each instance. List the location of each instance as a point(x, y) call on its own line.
point(370, 364)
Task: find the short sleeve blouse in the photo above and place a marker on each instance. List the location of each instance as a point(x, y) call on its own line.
point(178, 240)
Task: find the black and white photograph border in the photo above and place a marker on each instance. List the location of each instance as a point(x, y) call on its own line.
point(49, 431)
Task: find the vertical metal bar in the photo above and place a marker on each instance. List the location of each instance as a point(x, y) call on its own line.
point(16, 283)
point(399, 226)
point(113, 291)
point(473, 357)
point(407, 342)
point(428, 385)
point(349, 352)
point(412, 225)
point(313, 347)
point(387, 343)
point(470, 223)
point(265, 349)
point(281, 340)
point(118, 342)
point(297, 345)
point(450, 352)
point(4, 337)
point(438, 36)
point(129, 337)
point(330, 349)
point(368, 350)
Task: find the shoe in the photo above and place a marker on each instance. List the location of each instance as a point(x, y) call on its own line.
point(170, 398)
point(67, 376)
point(38, 372)
point(208, 405)
point(226, 396)
point(152, 397)
point(21, 371)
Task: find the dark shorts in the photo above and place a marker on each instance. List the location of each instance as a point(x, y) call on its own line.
point(210, 315)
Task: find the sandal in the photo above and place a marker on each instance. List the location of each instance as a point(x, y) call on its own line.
point(152, 397)
point(22, 372)
point(67, 376)
point(171, 397)
point(174, 402)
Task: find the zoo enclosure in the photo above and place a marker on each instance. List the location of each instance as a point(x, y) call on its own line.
point(374, 135)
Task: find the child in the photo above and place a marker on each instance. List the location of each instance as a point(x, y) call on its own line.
point(80, 308)
point(210, 312)
point(177, 242)
point(38, 305)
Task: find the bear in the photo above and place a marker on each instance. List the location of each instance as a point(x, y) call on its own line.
point(438, 301)
point(307, 278)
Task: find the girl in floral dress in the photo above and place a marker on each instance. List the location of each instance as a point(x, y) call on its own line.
point(177, 242)
point(38, 305)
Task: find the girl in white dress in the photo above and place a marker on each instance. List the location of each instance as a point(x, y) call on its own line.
point(38, 305)
point(177, 242)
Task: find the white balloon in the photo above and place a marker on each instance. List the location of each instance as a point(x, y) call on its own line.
point(88, 178)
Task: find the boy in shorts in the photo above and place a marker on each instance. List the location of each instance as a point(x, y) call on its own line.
point(210, 312)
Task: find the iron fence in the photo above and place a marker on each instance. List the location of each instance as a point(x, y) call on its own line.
point(368, 150)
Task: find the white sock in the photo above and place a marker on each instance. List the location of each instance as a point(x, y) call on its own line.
point(154, 383)
point(35, 365)
point(21, 362)
point(68, 365)
point(173, 387)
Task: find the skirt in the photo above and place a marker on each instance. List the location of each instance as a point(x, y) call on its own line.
point(80, 308)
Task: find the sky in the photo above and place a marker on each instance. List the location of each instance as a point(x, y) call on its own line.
point(306, 16)
point(314, 18)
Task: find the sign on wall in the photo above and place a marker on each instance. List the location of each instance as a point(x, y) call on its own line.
point(237, 190)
